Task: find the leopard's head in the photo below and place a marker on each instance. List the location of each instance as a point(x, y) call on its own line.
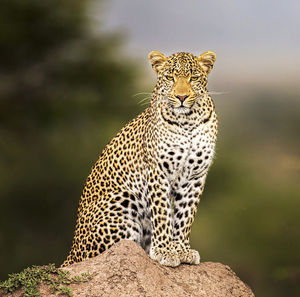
point(181, 78)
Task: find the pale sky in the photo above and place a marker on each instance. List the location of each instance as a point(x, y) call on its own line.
point(254, 40)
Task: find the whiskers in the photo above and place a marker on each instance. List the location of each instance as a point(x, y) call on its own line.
point(217, 93)
point(174, 102)
point(144, 101)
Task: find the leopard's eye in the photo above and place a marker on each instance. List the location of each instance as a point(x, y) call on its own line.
point(194, 78)
point(169, 77)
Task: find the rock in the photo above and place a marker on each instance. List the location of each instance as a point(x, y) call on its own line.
point(126, 270)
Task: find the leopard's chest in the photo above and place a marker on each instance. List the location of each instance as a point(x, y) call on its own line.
point(186, 156)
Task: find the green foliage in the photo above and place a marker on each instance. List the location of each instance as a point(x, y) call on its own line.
point(30, 278)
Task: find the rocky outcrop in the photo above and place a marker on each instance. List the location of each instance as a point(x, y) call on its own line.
point(126, 270)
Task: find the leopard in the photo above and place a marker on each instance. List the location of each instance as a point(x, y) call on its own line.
point(147, 182)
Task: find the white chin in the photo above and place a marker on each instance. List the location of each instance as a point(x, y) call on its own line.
point(181, 110)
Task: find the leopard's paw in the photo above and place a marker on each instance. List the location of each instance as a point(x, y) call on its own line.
point(190, 257)
point(165, 257)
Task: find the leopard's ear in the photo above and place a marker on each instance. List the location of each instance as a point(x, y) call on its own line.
point(207, 61)
point(157, 60)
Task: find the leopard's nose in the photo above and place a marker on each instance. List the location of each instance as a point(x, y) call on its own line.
point(182, 97)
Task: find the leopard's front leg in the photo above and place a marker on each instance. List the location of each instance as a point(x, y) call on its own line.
point(186, 201)
point(162, 248)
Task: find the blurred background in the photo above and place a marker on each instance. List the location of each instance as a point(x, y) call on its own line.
point(72, 73)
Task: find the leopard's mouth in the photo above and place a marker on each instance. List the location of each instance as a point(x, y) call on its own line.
point(180, 106)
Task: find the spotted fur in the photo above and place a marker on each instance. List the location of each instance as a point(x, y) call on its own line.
point(147, 183)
